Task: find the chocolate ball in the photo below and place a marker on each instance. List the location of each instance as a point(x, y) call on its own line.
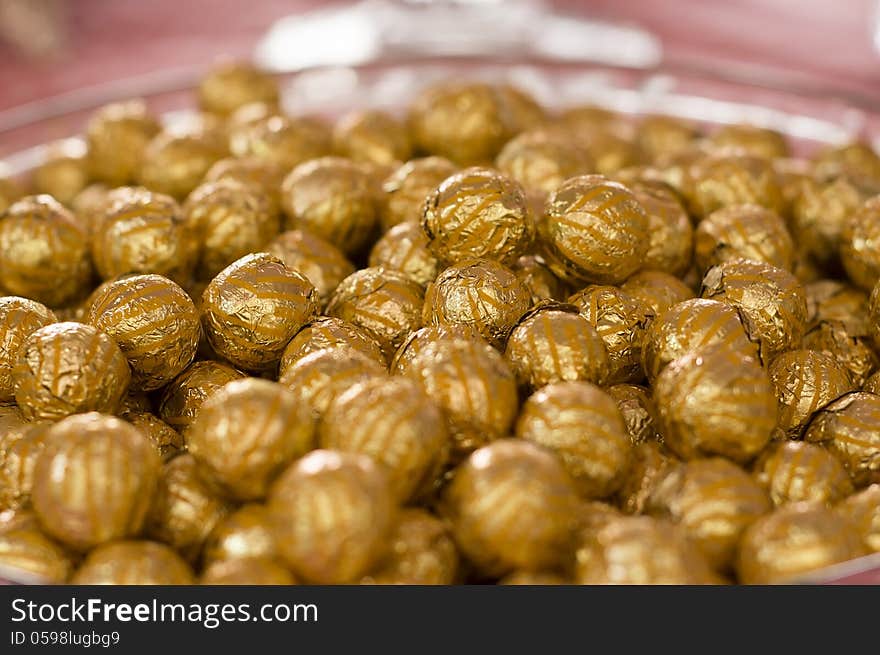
point(334, 198)
point(64, 171)
point(405, 190)
point(553, 343)
point(820, 212)
point(594, 230)
point(175, 162)
point(372, 136)
point(855, 161)
point(13, 427)
point(263, 176)
point(279, 140)
point(182, 399)
point(733, 178)
point(117, 135)
point(421, 552)
point(94, 481)
point(328, 332)
point(246, 433)
point(133, 563)
point(167, 441)
point(770, 301)
point(863, 511)
point(153, 321)
point(794, 471)
point(185, 509)
point(651, 463)
point(621, 321)
point(332, 513)
point(848, 427)
point(541, 160)
point(253, 308)
point(395, 423)
point(18, 462)
point(715, 401)
point(472, 384)
point(139, 231)
point(69, 368)
point(860, 245)
point(247, 571)
point(805, 382)
point(234, 84)
point(638, 411)
point(320, 261)
point(422, 337)
point(670, 234)
point(836, 300)
point(793, 541)
point(664, 135)
point(583, 425)
point(43, 251)
point(480, 294)
point(743, 232)
point(30, 557)
point(754, 140)
point(541, 283)
point(246, 534)
point(656, 289)
point(405, 248)
point(855, 354)
point(19, 317)
point(511, 505)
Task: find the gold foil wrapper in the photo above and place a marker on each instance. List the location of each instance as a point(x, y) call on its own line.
point(19, 317)
point(246, 533)
point(479, 294)
point(43, 251)
point(757, 141)
point(167, 441)
point(853, 353)
point(541, 160)
point(477, 213)
point(333, 198)
point(743, 232)
point(805, 382)
point(819, 213)
point(263, 176)
point(320, 261)
point(835, 300)
point(771, 303)
point(732, 177)
point(638, 411)
point(182, 399)
point(715, 401)
point(511, 505)
point(404, 248)
point(421, 552)
point(133, 562)
point(329, 332)
point(793, 541)
point(713, 501)
point(32, 557)
point(664, 135)
point(247, 571)
point(69, 368)
point(246, 433)
point(848, 428)
point(553, 343)
point(252, 309)
point(117, 135)
point(794, 471)
point(63, 173)
point(872, 384)
point(234, 84)
point(13, 427)
point(657, 290)
point(594, 230)
point(860, 245)
point(621, 322)
point(541, 283)
point(175, 163)
point(94, 481)
point(398, 425)
point(281, 141)
point(863, 511)
point(584, 427)
point(404, 191)
point(472, 384)
point(855, 161)
point(416, 342)
point(372, 136)
point(139, 231)
point(18, 462)
point(153, 321)
point(651, 463)
point(670, 233)
point(332, 514)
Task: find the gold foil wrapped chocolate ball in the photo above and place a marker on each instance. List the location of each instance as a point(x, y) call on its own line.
point(594, 230)
point(793, 541)
point(396, 424)
point(794, 471)
point(64, 171)
point(13, 427)
point(386, 303)
point(820, 212)
point(713, 501)
point(770, 301)
point(95, 480)
point(855, 161)
point(373, 137)
point(332, 515)
point(860, 245)
point(480, 294)
point(715, 401)
point(621, 321)
point(139, 231)
point(733, 178)
point(670, 233)
point(848, 427)
point(167, 441)
point(282, 141)
point(836, 300)
point(153, 321)
point(405, 248)
point(853, 353)
point(541, 160)
point(638, 411)
point(863, 511)
point(247, 571)
point(328, 332)
point(69, 368)
point(230, 220)
point(754, 140)
point(746, 232)
point(252, 309)
point(43, 251)
point(405, 190)
point(477, 213)
point(664, 135)
point(234, 84)
point(541, 283)
point(656, 289)
point(640, 550)
point(18, 462)
point(246, 433)
point(553, 343)
point(421, 552)
point(472, 384)
point(511, 505)
point(175, 162)
point(182, 399)
point(651, 463)
point(425, 336)
point(244, 534)
point(133, 563)
point(334, 198)
point(32, 557)
point(185, 509)
point(583, 425)
point(19, 317)
point(320, 261)
point(117, 135)
point(805, 382)
point(318, 378)
point(263, 176)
